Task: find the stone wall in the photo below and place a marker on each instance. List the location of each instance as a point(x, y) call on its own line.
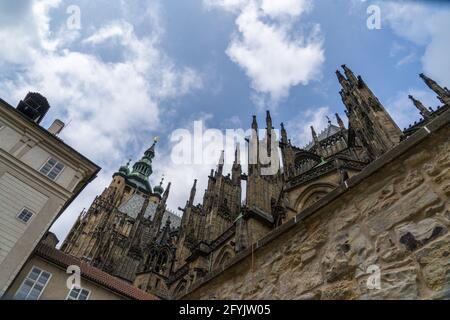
point(394, 215)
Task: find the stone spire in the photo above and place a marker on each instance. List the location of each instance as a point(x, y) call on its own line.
point(316, 141)
point(339, 121)
point(344, 83)
point(364, 110)
point(314, 135)
point(166, 193)
point(221, 163)
point(164, 235)
point(269, 128)
point(192, 195)
point(442, 93)
point(419, 105)
point(269, 120)
point(160, 211)
point(237, 169)
point(350, 75)
point(237, 155)
point(284, 137)
point(253, 150)
point(254, 124)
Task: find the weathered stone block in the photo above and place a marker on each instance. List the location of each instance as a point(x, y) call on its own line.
point(315, 295)
point(350, 250)
point(435, 261)
point(415, 202)
point(344, 219)
point(342, 290)
point(412, 180)
point(431, 169)
point(308, 256)
point(388, 249)
point(309, 277)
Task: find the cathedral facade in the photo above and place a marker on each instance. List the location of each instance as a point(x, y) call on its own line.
point(129, 232)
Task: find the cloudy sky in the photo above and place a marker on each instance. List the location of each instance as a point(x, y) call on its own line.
point(127, 71)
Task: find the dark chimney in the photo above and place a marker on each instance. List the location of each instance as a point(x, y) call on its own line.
point(34, 107)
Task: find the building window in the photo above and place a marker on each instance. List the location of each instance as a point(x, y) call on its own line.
point(78, 294)
point(25, 215)
point(33, 285)
point(52, 168)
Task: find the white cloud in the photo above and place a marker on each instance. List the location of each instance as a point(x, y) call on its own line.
point(424, 25)
point(230, 5)
point(16, 35)
point(411, 57)
point(299, 128)
point(112, 106)
point(273, 56)
point(113, 30)
point(182, 176)
point(285, 8)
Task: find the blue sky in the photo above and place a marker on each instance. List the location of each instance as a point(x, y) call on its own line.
point(139, 69)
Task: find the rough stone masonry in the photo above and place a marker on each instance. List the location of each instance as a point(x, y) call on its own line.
point(395, 215)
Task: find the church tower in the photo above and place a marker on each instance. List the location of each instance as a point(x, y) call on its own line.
point(116, 232)
point(368, 118)
point(264, 174)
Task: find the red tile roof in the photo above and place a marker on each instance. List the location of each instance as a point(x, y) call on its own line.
point(93, 274)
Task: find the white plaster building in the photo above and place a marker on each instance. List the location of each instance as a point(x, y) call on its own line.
point(40, 176)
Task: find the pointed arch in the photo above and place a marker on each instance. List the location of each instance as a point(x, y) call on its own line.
point(180, 288)
point(224, 255)
point(158, 259)
point(312, 194)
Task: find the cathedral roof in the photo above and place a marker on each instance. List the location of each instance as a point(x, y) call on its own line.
point(328, 132)
point(133, 206)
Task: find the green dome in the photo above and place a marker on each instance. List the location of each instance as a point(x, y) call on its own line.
point(124, 170)
point(159, 189)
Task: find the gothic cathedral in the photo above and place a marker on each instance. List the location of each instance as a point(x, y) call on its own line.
point(129, 232)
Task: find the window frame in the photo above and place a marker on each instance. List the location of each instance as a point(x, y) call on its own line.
point(41, 271)
point(79, 293)
point(33, 214)
point(53, 167)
